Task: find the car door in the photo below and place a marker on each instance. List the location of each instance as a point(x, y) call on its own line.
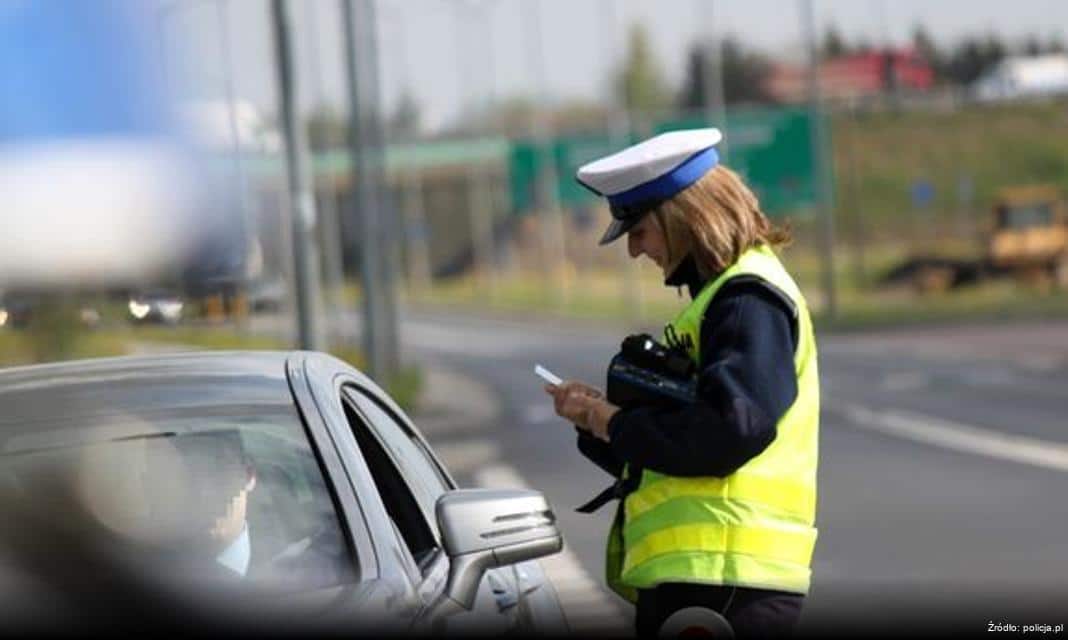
point(401, 460)
point(387, 597)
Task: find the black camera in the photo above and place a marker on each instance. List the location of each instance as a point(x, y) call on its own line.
point(646, 373)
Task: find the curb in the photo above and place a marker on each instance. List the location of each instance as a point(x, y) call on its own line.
point(449, 402)
point(452, 401)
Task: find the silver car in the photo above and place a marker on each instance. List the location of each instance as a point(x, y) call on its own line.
point(258, 490)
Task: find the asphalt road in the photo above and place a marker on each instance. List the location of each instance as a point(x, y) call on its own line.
point(944, 456)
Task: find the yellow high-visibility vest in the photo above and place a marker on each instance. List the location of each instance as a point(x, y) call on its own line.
point(753, 528)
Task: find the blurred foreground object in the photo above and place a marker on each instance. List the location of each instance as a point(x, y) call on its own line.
point(1026, 238)
point(98, 188)
point(256, 492)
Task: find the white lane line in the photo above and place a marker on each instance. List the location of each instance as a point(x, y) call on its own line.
point(905, 381)
point(961, 437)
point(539, 413)
point(587, 607)
point(1043, 364)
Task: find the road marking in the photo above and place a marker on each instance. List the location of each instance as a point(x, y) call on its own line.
point(463, 341)
point(1042, 364)
point(588, 607)
point(905, 381)
point(961, 437)
point(539, 413)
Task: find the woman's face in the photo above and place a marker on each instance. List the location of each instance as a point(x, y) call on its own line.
point(647, 238)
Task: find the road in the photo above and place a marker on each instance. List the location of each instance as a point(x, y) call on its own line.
point(943, 458)
point(944, 455)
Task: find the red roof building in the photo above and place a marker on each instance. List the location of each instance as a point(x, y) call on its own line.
point(856, 75)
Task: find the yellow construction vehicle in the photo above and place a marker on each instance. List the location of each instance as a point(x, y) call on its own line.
point(1030, 233)
point(1026, 238)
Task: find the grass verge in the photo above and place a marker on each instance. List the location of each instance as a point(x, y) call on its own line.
point(17, 348)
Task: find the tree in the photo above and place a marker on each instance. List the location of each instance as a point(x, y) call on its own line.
point(640, 84)
point(863, 45)
point(326, 129)
point(973, 56)
point(1055, 44)
point(927, 50)
point(744, 73)
point(1031, 46)
point(834, 46)
point(404, 122)
point(993, 49)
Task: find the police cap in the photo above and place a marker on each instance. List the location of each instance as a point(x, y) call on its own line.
point(640, 177)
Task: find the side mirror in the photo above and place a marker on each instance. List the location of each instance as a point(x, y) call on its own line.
point(486, 528)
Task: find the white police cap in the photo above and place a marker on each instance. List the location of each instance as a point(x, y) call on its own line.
point(638, 178)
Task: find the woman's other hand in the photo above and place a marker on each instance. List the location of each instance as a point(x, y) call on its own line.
point(583, 405)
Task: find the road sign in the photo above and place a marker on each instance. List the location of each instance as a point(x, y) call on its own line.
point(923, 193)
point(770, 148)
point(568, 154)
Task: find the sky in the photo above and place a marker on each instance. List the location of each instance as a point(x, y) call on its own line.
point(450, 53)
point(582, 38)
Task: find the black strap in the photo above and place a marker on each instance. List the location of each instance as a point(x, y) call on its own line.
point(619, 490)
point(601, 499)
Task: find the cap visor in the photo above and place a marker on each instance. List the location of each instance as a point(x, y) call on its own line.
point(614, 230)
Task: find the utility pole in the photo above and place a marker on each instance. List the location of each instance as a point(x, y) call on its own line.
point(249, 230)
point(619, 135)
point(330, 236)
point(820, 158)
point(365, 147)
point(305, 255)
point(712, 82)
point(553, 254)
point(479, 180)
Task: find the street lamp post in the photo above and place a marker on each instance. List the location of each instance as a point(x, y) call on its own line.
point(712, 82)
point(365, 148)
point(305, 256)
point(553, 254)
point(825, 197)
point(478, 175)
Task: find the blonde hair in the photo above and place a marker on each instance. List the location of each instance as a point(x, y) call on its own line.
point(716, 219)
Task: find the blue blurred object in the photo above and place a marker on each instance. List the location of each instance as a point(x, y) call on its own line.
point(78, 69)
point(923, 193)
point(90, 144)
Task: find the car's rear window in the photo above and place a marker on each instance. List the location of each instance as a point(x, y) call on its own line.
point(234, 495)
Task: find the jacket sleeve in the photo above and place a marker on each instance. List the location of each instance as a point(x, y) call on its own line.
point(599, 452)
point(746, 385)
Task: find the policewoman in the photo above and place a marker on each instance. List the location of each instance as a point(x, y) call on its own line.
point(717, 496)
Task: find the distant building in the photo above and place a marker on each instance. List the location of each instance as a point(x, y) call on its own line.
point(853, 76)
point(1022, 77)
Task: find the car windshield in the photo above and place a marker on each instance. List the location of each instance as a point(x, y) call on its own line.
point(226, 494)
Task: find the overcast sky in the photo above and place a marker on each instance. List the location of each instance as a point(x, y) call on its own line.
point(581, 38)
point(450, 52)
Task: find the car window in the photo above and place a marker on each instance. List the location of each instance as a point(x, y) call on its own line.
point(403, 493)
point(427, 479)
point(233, 494)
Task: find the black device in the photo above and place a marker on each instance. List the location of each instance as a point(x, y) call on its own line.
point(646, 373)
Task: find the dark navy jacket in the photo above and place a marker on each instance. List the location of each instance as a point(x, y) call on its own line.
point(745, 385)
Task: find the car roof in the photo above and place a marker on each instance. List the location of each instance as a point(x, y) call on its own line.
point(144, 383)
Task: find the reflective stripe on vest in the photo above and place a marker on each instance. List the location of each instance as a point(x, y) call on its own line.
point(753, 528)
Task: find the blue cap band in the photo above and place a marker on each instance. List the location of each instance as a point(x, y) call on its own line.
point(671, 182)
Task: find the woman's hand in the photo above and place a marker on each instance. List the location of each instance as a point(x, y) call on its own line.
point(583, 405)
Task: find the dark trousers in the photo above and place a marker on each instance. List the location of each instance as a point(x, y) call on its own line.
point(752, 613)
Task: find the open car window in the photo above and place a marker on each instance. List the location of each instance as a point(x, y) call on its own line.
point(400, 476)
point(234, 495)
